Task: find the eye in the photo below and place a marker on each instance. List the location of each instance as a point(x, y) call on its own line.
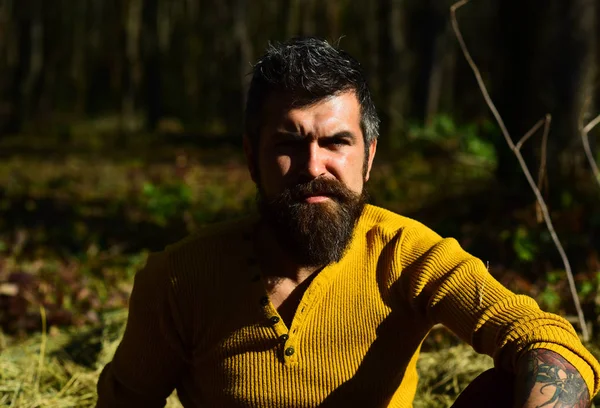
point(336, 142)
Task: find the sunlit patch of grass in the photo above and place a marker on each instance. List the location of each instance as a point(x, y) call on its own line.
point(61, 382)
point(58, 374)
point(444, 373)
point(43, 370)
point(47, 370)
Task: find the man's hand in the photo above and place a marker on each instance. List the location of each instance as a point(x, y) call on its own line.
point(545, 379)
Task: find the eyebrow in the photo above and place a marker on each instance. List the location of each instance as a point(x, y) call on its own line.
point(343, 135)
point(297, 136)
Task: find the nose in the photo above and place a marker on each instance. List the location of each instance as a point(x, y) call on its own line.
point(314, 165)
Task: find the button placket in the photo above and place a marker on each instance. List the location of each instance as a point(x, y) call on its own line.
point(288, 351)
point(306, 303)
point(287, 348)
point(273, 318)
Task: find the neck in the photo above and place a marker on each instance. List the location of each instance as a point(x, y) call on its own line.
point(275, 261)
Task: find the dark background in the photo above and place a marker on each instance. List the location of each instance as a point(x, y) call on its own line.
point(121, 120)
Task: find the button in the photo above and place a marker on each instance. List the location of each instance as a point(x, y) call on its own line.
point(274, 319)
point(283, 338)
point(264, 300)
point(289, 351)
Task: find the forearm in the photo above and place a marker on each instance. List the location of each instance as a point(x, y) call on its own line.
point(546, 379)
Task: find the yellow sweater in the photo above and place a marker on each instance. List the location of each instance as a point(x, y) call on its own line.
point(200, 322)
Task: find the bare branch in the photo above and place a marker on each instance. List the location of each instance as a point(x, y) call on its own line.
point(586, 146)
point(526, 172)
point(530, 133)
point(542, 170)
point(588, 128)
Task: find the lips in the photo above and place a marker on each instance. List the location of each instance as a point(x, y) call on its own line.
point(319, 194)
point(316, 198)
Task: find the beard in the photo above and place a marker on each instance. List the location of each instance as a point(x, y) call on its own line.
point(313, 234)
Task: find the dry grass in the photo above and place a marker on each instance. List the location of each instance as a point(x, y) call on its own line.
point(39, 372)
point(32, 375)
point(445, 373)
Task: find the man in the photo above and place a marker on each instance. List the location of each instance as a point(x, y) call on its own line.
point(322, 300)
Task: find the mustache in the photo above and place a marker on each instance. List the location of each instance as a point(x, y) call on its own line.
point(320, 187)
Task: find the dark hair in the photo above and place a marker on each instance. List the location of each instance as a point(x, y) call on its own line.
point(309, 69)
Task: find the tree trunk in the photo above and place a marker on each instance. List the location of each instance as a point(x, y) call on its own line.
point(307, 11)
point(333, 8)
point(544, 71)
point(291, 13)
point(440, 63)
point(573, 71)
point(244, 46)
point(151, 56)
point(371, 42)
point(516, 80)
point(28, 63)
point(78, 62)
point(7, 57)
point(193, 62)
point(393, 71)
point(133, 27)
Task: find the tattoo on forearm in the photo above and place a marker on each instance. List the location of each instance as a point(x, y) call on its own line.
point(555, 380)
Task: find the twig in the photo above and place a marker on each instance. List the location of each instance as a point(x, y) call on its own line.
point(588, 128)
point(531, 132)
point(586, 146)
point(542, 170)
point(509, 141)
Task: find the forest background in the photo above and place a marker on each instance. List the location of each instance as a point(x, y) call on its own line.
point(120, 132)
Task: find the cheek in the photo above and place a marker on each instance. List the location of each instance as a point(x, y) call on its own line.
point(283, 164)
point(350, 171)
point(273, 172)
point(273, 164)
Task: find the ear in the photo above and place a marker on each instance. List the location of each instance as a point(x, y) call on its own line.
point(372, 150)
point(250, 158)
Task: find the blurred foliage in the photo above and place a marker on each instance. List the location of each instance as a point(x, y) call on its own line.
point(163, 202)
point(85, 194)
point(77, 222)
point(523, 244)
point(467, 143)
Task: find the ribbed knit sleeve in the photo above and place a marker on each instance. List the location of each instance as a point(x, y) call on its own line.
point(449, 286)
point(151, 356)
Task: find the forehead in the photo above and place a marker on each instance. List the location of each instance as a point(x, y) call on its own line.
point(328, 115)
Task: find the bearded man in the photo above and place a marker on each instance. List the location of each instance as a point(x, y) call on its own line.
point(320, 299)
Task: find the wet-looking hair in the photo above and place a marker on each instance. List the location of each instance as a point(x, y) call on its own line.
point(308, 69)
